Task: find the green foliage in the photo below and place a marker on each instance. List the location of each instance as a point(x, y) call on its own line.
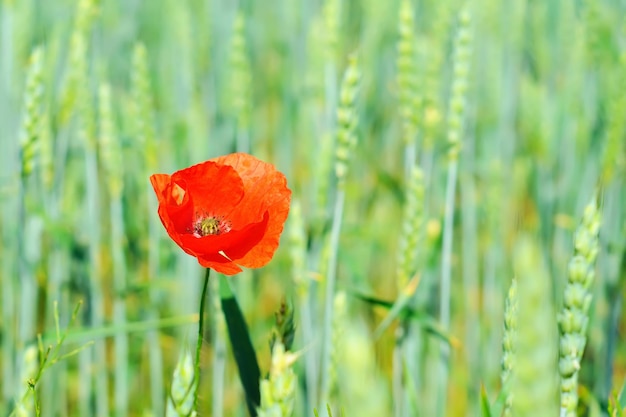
point(527, 98)
point(47, 356)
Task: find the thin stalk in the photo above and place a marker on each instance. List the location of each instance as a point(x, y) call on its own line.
point(330, 101)
point(330, 293)
point(25, 289)
point(396, 373)
point(154, 349)
point(302, 288)
point(26, 282)
point(55, 398)
point(95, 272)
point(330, 93)
point(470, 257)
point(456, 116)
point(81, 335)
point(410, 157)
point(411, 365)
point(54, 387)
point(310, 362)
point(8, 306)
point(7, 167)
point(446, 272)
point(85, 361)
point(205, 286)
point(219, 356)
point(490, 281)
point(119, 308)
point(446, 258)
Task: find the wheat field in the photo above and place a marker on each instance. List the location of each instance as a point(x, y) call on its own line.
point(456, 243)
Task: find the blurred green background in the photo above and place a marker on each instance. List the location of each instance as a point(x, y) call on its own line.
point(121, 89)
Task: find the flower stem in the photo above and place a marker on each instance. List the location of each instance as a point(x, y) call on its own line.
point(200, 337)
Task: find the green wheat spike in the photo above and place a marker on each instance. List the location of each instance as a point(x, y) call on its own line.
point(574, 317)
point(181, 398)
point(75, 82)
point(84, 98)
point(46, 152)
point(31, 128)
point(460, 75)
point(142, 105)
point(279, 388)
point(331, 15)
point(509, 346)
point(412, 228)
point(240, 91)
point(347, 119)
point(534, 382)
point(110, 149)
point(409, 101)
point(285, 328)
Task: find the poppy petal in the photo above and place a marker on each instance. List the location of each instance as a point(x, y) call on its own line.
point(228, 248)
point(213, 186)
point(235, 244)
point(159, 183)
point(265, 191)
point(227, 268)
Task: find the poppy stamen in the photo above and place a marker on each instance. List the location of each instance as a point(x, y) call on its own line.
point(210, 225)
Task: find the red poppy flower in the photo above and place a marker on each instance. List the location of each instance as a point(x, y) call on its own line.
point(228, 212)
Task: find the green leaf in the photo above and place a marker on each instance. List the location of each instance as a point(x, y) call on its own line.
point(615, 407)
point(240, 341)
point(485, 408)
point(397, 308)
point(498, 405)
point(402, 311)
point(621, 397)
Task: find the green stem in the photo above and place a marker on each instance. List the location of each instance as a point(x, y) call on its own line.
point(330, 295)
point(200, 337)
point(446, 273)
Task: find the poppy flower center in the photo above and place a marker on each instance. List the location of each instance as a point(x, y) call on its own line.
point(210, 225)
